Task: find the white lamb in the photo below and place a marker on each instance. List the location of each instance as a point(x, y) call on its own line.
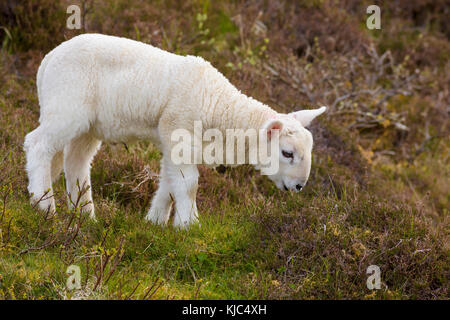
point(96, 88)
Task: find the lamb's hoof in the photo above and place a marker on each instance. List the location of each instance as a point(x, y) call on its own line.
point(155, 217)
point(46, 205)
point(86, 208)
point(89, 208)
point(92, 216)
point(185, 224)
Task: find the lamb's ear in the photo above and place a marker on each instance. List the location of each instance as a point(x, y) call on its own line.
point(306, 116)
point(273, 124)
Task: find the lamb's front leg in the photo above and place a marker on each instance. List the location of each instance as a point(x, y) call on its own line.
point(161, 206)
point(184, 183)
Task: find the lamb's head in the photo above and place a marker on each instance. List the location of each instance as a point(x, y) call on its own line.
point(295, 146)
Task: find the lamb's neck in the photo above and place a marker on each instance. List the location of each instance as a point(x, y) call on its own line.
point(243, 112)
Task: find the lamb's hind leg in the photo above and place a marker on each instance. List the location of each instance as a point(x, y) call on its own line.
point(78, 155)
point(161, 206)
point(39, 154)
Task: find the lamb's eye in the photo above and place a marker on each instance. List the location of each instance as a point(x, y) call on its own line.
point(287, 154)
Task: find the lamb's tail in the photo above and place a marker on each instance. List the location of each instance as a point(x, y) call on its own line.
point(40, 74)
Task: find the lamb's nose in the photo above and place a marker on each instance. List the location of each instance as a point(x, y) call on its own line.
point(299, 187)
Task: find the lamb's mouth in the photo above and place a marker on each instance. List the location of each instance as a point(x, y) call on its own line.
point(296, 189)
point(280, 184)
